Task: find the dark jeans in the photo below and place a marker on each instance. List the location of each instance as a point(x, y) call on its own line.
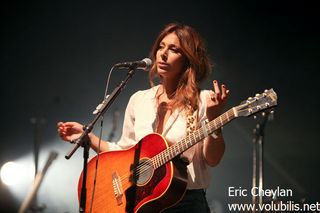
point(194, 201)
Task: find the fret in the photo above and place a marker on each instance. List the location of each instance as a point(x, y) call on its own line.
point(195, 135)
point(173, 151)
point(200, 133)
point(162, 158)
point(187, 142)
point(176, 150)
point(167, 156)
point(158, 160)
point(179, 149)
point(221, 121)
point(224, 119)
point(245, 109)
point(227, 116)
point(194, 140)
point(155, 163)
point(215, 124)
point(235, 112)
point(184, 144)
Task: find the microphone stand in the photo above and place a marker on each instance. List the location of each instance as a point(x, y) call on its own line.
point(259, 138)
point(83, 140)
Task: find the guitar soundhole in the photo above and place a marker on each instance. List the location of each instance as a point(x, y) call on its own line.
point(146, 183)
point(143, 172)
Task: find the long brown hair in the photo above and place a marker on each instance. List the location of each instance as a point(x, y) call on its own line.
point(198, 66)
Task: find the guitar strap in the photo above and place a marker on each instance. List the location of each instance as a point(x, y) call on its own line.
point(191, 125)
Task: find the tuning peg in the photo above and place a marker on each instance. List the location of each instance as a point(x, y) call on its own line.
point(271, 115)
point(249, 100)
point(254, 117)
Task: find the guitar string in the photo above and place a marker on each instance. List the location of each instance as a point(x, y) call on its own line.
point(145, 166)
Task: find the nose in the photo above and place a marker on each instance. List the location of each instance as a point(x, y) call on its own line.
point(164, 54)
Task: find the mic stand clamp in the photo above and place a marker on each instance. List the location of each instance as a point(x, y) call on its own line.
point(84, 140)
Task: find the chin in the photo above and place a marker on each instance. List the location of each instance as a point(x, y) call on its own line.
point(161, 71)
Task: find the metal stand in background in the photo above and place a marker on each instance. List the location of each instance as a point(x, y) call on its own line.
point(258, 151)
point(30, 203)
point(84, 141)
point(37, 124)
point(115, 119)
point(30, 198)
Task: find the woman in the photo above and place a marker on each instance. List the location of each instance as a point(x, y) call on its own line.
point(174, 108)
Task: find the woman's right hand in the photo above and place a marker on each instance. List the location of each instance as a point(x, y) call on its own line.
point(69, 131)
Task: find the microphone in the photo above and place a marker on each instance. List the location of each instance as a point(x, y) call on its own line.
point(144, 64)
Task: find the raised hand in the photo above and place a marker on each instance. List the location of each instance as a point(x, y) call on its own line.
point(216, 100)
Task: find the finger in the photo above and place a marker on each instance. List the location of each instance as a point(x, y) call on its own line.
point(69, 124)
point(60, 124)
point(223, 91)
point(216, 88)
point(61, 135)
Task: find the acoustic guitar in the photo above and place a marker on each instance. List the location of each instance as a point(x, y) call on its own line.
point(150, 176)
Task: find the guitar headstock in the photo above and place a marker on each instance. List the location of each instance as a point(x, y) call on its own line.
point(260, 102)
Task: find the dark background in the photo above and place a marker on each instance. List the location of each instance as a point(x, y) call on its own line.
point(56, 55)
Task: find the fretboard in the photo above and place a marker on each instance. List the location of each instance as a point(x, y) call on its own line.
point(193, 138)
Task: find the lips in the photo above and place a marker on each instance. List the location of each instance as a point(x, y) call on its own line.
point(163, 65)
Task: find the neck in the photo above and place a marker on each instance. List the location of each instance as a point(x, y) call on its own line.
point(169, 87)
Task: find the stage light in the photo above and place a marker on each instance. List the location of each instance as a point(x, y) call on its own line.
point(11, 173)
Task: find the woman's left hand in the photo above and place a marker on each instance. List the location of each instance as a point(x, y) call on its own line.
point(216, 101)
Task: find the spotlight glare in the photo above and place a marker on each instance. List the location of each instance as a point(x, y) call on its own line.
point(11, 173)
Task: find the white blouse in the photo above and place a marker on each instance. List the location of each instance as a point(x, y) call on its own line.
point(141, 119)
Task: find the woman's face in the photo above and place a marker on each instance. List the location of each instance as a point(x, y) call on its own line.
point(170, 60)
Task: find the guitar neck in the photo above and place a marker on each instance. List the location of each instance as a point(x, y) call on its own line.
point(193, 138)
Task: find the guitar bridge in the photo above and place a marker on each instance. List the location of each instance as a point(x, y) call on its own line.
point(117, 188)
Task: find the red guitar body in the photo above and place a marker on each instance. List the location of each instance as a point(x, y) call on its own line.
point(127, 182)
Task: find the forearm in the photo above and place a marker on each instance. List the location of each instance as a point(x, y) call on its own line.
point(213, 149)
point(94, 143)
